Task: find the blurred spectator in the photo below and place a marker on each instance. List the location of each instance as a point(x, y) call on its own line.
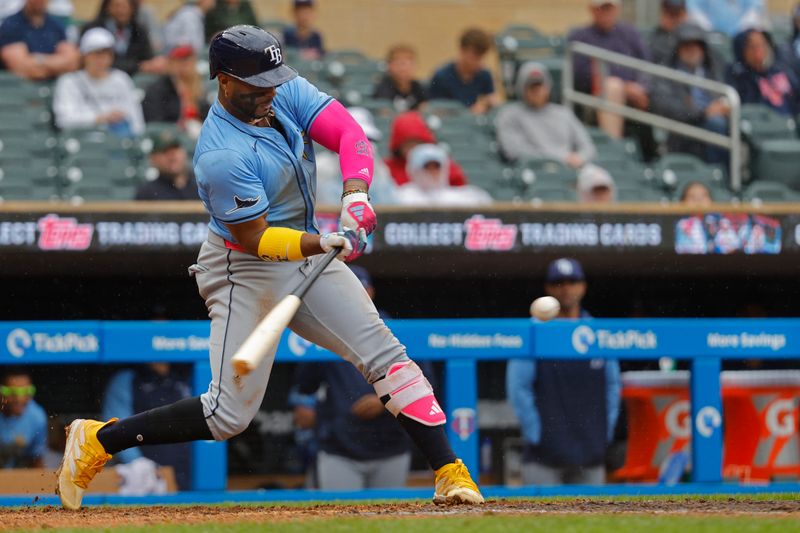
point(329, 173)
point(662, 40)
point(23, 423)
point(399, 84)
point(759, 78)
point(596, 186)
point(727, 16)
point(302, 36)
point(179, 96)
point(147, 18)
point(175, 180)
point(691, 104)
point(229, 13)
point(34, 45)
point(535, 127)
point(360, 444)
point(409, 130)
point(427, 169)
point(138, 390)
point(622, 85)
point(696, 194)
point(466, 79)
point(567, 409)
point(187, 25)
point(132, 49)
point(98, 95)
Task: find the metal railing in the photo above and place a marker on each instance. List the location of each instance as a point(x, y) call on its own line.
point(731, 142)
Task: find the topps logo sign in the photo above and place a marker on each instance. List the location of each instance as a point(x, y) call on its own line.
point(56, 233)
point(475, 234)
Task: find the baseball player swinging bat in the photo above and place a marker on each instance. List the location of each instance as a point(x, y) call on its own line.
point(256, 173)
point(268, 332)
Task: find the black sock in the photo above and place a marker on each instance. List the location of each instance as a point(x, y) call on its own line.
point(182, 421)
point(431, 441)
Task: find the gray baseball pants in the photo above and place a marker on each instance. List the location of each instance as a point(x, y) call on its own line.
point(335, 472)
point(239, 289)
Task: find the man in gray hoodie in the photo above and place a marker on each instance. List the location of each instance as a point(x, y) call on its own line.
point(535, 127)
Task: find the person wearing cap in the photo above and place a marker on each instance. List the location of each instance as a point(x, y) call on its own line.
point(329, 174)
point(623, 85)
point(399, 83)
point(34, 45)
point(428, 170)
point(302, 36)
point(692, 55)
point(98, 95)
point(175, 180)
point(662, 40)
point(567, 410)
point(727, 16)
point(595, 186)
point(178, 96)
point(23, 422)
point(186, 25)
point(535, 127)
point(133, 51)
point(227, 13)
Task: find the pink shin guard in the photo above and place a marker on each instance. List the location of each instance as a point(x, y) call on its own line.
point(410, 394)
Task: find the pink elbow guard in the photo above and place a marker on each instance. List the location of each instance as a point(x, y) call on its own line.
point(337, 131)
point(410, 394)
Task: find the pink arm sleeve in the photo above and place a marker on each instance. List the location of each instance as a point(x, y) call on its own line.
point(336, 130)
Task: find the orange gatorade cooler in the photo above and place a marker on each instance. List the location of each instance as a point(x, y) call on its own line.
point(760, 412)
point(659, 421)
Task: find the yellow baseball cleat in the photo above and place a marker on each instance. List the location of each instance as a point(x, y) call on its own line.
point(454, 485)
point(84, 457)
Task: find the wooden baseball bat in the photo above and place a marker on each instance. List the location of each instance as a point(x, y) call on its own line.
point(268, 332)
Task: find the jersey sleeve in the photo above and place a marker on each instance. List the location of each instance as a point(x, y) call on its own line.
point(233, 190)
point(10, 32)
point(304, 101)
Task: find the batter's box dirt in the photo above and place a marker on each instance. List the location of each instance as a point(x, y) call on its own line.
point(48, 517)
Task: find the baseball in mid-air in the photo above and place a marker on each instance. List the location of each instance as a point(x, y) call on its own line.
point(545, 308)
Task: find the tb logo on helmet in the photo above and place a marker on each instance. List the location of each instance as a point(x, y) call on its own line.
point(274, 54)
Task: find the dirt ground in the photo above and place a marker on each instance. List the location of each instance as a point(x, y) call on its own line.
point(47, 517)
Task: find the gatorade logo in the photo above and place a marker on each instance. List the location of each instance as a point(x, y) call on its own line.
point(780, 418)
point(678, 420)
point(18, 341)
point(582, 338)
point(707, 420)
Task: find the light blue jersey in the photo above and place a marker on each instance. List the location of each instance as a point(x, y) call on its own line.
point(23, 438)
point(245, 172)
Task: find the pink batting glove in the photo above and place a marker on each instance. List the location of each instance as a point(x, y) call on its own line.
point(357, 213)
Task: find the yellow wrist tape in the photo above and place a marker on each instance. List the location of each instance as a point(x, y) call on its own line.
point(280, 244)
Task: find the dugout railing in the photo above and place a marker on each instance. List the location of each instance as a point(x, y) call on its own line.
point(460, 344)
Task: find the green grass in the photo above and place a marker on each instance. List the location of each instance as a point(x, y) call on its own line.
point(496, 523)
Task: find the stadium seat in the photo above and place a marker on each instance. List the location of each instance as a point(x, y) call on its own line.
point(777, 160)
point(760, 123)
point(627, 192)
point(675, 167)
point(33, 143)
point(541, 170)
point(769, 192)
point(547, 193)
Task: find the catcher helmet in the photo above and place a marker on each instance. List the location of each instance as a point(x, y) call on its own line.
point(249, 54)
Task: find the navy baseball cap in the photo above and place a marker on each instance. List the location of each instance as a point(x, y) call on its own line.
point(564, 269)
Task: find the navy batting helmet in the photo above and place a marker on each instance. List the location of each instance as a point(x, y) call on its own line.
point(249, 54)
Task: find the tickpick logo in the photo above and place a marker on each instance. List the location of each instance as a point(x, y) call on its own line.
point(582, 338)
point(707, 420)
point(297, 344)
point(18, 341)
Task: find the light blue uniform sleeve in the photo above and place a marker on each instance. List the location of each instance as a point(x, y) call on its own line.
point(613, 396)
point(38, 440)
point(303, 100)
point(118, 402)
point(520, 375)
point(234, 191)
